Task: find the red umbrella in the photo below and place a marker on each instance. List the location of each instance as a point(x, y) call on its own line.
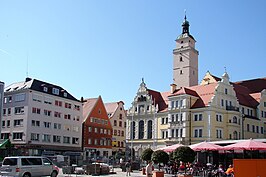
point(171, 148)
point(205, 146)
point(246, 145)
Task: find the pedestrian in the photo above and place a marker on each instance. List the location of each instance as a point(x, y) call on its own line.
point(149, 169)
point(128, 168)
point(230, 171)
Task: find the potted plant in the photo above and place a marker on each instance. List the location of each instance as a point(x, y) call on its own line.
point(186, 155)
point(159, 157)
point(146, 156)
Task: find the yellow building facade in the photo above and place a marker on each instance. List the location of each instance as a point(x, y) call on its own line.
point(216, 109)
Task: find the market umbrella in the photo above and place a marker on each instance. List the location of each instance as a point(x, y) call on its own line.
point(205, 146)
point(171, 148)
point(250, 145)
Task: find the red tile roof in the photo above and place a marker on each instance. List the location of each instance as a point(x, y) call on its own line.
point(159, 99)
point(254, 85)
point(205, 93)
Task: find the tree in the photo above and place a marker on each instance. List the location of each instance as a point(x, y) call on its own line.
point(160, 156)
point(184, 154)
point(146, 154)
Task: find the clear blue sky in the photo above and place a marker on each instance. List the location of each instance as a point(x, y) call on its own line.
point(105, 47)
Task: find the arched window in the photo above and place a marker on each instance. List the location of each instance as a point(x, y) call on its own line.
point(132, 130)
point(235, 119)
point(141, 129)
point(235, 137)
point(149, 132)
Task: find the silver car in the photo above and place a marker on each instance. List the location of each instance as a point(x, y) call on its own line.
point(28, 166)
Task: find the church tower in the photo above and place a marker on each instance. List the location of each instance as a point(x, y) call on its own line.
point(185, 64)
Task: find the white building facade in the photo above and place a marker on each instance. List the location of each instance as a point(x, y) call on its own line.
point(40, 117)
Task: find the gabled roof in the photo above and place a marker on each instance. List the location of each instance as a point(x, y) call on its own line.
point(88, 106)
point(184, 90)
point(158, 98)
point(205, 93)
point(254, 85)
point(111, 107)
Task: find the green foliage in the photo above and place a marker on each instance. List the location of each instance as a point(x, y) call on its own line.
point(160, 156)
point(146, 154)
point(184, 154)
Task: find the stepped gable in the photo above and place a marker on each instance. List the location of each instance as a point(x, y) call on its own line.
point(159, 99)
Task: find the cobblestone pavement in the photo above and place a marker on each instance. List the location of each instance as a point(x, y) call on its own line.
point(118, 173)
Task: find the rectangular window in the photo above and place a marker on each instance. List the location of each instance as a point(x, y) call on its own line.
point(67, 116)
point(225, 91)
point(17, 136)
point(3, 124)
point(35, 123)
point(172, 104)
point(58, 103)
point(68, 105)
point(46, 138)
point(77, 107)
point(35, 137)
point(248, 129)
point(47, 112)
point(89, 129)
point(196, 117)
point(18, 122)
point(48, 100)
point(57, 126)
point(66, 140)
point(75, 140)
point(162, 122)
point(176, 104)
point(20, 97)
point(200, 117)
point(36, 110)
point(95, 130)
point(200, 132)
point(47, 124)
point(56, 139)
point(8, 111)
point(96, 142)
point(89, 141)
point(19, 110)
point(57, 114)
point(4, 112)
point(222, 102)
point(8, 123)
point(55, 91)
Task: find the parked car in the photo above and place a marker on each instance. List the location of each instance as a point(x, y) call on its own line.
point(28, 166)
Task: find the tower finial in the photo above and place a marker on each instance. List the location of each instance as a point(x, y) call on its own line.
point(185, 10)
point(225, 69)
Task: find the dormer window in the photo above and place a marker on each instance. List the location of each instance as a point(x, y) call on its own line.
point(225, 91)
point(65, 94)
point(56, 91)
point(45, 89)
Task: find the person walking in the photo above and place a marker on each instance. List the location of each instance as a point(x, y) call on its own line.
point(128, 168)
point(149, 169)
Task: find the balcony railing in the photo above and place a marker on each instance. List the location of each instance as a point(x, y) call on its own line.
point(232, 108)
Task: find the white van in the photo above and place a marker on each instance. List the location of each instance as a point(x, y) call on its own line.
point(28, 166)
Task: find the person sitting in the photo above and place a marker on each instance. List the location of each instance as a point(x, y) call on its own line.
point(230, 171)
point(182, 167)
point(220, 170)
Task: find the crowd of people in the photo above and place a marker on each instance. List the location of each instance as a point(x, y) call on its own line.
point(196, 169)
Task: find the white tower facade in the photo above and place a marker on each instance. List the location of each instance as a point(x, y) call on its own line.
point(185, 60)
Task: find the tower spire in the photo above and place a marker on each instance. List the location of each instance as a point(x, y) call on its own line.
point(185, 25)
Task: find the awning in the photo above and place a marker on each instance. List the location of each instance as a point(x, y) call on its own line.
point(3, 143)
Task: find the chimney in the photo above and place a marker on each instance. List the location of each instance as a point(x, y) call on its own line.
point(27, 79)
point(173, 88)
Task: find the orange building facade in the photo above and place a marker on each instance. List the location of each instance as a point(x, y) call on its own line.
point(97, 130)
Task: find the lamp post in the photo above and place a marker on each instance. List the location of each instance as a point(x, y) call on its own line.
point(243, 119)
point(131, 132)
